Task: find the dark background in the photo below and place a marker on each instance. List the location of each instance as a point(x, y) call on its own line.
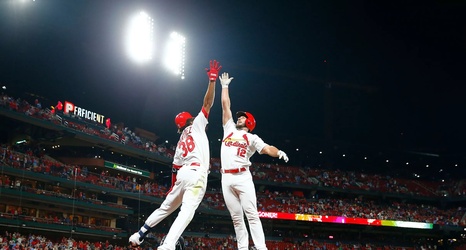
point(347, 77)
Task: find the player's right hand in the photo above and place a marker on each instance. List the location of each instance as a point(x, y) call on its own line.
point(282, 155)
point(212, 73)
point(225, 80)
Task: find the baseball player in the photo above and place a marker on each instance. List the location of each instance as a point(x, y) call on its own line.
point(238, 189)
point(190, 170)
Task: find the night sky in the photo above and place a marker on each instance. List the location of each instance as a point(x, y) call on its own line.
point(386, 75)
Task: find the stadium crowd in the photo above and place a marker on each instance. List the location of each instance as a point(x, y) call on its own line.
point(113, 132)
point(271, 201)
point(17, 240)
point(261, 171)
point(268, 200)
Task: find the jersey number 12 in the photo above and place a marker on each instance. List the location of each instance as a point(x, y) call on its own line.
point(241, 152)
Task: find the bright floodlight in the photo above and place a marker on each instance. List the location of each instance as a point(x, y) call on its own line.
point(175, 54)
point(139, 38)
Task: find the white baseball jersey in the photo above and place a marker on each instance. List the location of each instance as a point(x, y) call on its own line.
point(193, 146)
point(238, 146)
point(238, 188)
point(192, 155)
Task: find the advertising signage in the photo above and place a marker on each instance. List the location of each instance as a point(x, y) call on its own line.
point(344, 220)
point(70, 109)
point(126, 169)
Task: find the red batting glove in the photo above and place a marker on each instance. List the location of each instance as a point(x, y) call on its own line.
point(175, 169)
point(212, 73)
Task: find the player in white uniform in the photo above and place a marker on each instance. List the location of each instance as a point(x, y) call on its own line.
point(191, 166)
point(238, 189)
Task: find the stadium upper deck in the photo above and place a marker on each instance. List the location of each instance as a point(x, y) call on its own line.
point(114, 189)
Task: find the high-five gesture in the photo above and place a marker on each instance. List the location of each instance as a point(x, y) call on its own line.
point(212, 73)
point(225, 80)
point(238, 145)
point(191, 162)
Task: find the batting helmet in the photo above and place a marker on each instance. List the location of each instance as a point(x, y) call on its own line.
point(181, 118)
point(179, 245)
point(250, 121)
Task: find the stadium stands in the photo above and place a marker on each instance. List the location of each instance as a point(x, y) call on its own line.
point(83, 203)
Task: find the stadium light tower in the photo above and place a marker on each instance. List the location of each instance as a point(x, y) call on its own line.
point(139, 38)
point(174, 55)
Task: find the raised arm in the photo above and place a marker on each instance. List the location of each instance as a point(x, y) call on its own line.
point(226, 104)
point(209, 96)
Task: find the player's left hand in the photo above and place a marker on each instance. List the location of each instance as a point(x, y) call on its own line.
point(282, 155)
point(212, 73)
